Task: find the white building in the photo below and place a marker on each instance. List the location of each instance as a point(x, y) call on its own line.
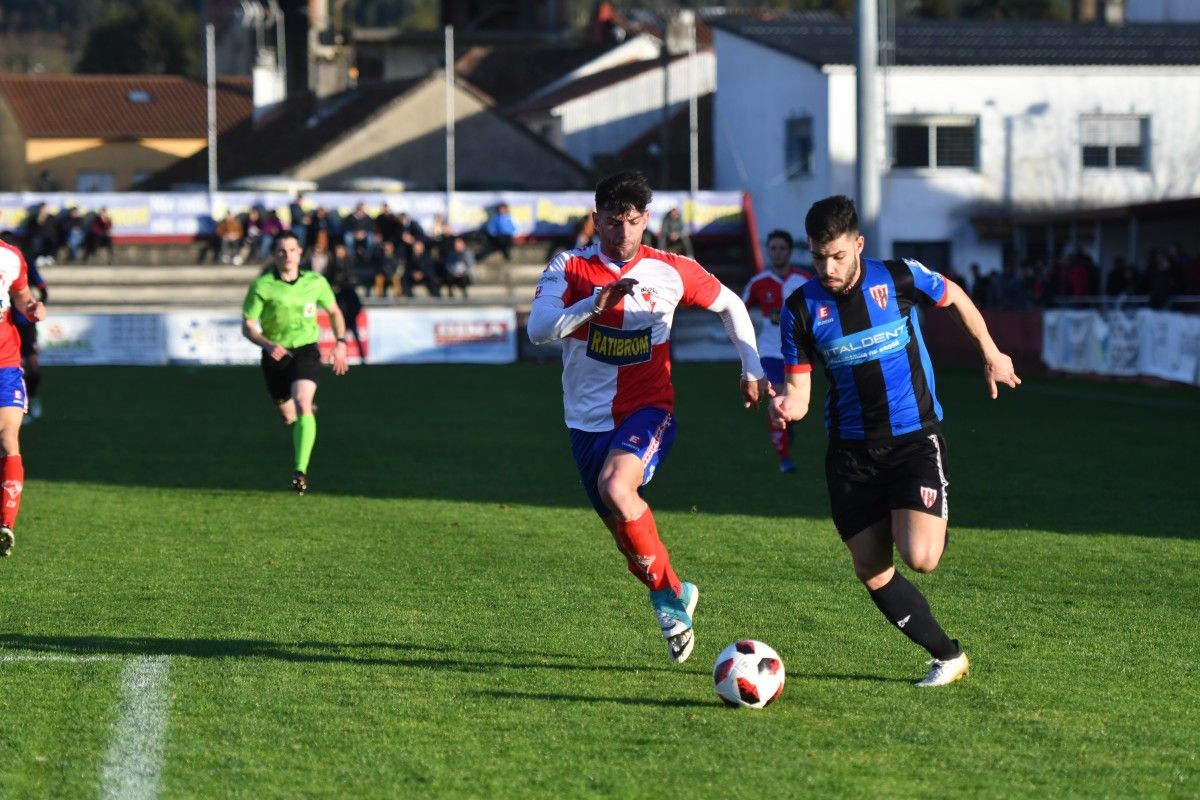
point(984, 122)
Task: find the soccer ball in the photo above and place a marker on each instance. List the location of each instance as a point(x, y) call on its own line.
point(748, 674)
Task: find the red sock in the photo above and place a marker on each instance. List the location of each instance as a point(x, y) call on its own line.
point(648, 560)
point(782, 441)
point(14, 482)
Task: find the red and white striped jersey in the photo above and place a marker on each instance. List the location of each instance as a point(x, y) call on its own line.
point(765, 291)
point(619, 361)
point(14, 276)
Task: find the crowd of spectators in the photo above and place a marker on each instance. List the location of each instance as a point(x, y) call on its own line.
point(68, 235)
point(388, 254)
point(1076, 279)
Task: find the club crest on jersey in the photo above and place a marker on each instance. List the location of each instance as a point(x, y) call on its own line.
point(928, 496)
point(648, 297)
point(618, 347)
point(879, 293)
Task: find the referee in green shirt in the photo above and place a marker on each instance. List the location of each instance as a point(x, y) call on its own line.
point(280, 316)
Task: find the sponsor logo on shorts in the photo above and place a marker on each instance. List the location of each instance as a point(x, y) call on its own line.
point(879, 293)
point(928, 496)
point(634, 439)
point(618, 347)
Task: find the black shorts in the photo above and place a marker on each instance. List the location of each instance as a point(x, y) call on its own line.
point(867, 483)
point(29, 344)
point(301, 364)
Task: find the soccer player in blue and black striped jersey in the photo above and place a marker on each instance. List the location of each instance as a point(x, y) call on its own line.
point(886, 462)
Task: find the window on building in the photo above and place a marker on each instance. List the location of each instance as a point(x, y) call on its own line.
point(1114, 141)
point(798, 146)
point(937, 142)
point(95, 181)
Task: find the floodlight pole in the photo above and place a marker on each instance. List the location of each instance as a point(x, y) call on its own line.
point(867, 164)
point(210, 57)
point(450, 165)
point(693, 108)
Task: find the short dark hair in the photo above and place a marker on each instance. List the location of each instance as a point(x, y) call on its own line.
point(830, 218)
point(780, 233)
point(279, 237)
point(624, 191)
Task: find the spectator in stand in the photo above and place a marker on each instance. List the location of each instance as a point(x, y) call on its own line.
point(387, 227)
point(459, 269)
point(252, 242)
point(99, 235)
point(418, 269)
point(299, 219)
point(271, 228)
point(358, 230)
point(585, 232)
point(320, 221)
point(410, 233)
point(1122, 278)
point(230, 233)
point(499, 233)
point(386, 270)
point(341, 259)
point(71, 232)
point(440, 240)
point(672, 236)
point(979, 283)
point(1162, 281)
point(346, 295)
point(320, 255)
point(41, 233)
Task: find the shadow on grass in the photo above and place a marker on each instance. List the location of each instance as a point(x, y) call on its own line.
point(458, 659)
point(555, 697)
point(419, 432)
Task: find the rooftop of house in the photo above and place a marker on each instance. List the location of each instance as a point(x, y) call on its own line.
point(976, 43)
point(122, 106)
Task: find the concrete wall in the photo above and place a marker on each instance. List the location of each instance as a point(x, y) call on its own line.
point(12, 152)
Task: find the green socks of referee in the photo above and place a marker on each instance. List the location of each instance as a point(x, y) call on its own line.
point(304, 436)
point(907, 609)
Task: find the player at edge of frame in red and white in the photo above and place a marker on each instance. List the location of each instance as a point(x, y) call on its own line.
point(14, 400)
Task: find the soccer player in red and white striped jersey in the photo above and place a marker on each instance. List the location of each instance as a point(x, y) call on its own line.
point(612, 306)
point(766, 291)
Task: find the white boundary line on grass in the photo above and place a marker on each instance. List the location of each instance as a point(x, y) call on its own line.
point(133, 766)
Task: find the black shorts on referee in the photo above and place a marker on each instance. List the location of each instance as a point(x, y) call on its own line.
point(867, 483)
point(300, 364)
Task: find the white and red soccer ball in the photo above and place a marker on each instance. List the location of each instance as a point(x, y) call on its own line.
point(748, 674)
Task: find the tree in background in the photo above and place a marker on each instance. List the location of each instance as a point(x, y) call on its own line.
point(146, 36)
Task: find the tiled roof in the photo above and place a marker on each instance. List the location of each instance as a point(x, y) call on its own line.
point(119, 106)
point(974, 43)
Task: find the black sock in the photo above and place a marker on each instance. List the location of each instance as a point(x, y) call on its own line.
point(907, 609)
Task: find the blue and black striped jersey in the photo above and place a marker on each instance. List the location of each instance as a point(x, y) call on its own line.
point(881, 385)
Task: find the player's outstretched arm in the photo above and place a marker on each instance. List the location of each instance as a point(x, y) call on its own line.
point(792, 405)
point(740, 329)
point(997, 366)
point(30, 306)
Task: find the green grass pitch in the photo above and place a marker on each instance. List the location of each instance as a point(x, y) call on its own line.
point(444, 617)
